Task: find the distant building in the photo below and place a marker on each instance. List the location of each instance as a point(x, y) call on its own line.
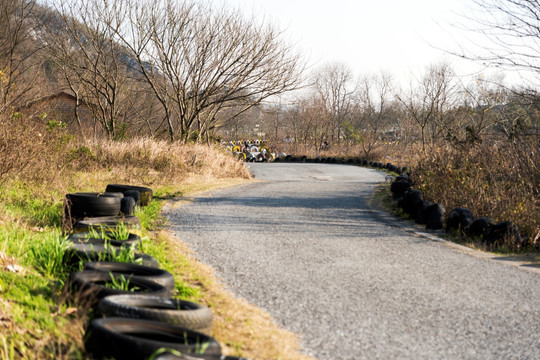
point(60, 106)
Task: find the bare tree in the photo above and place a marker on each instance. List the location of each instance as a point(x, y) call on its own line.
point(479, 111)
point(429, 102)
point(94, 65)
point(309, 124)
point(335, 86)
point(274, 123)
point(19, 63)
point(201, 61)
point(511, 35)
point(375, 95)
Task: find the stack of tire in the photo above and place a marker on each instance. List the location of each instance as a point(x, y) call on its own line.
point(463, 222)
point(343, 160)
point(411, 202)
point(460, 221)
point(135, 314)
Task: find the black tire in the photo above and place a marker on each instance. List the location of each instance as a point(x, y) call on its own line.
point(127, 206)
point(480, 227)
point(134, 339)
point(145, 192)
point(88, 287)
point(80, 252)
point(93, 204)
point(108, 223)
point(435, 218)
point(157, 275)
point(135, 194)
point(459, 220)
point(172, 311)
point(399, 187)
point(132, 240)
point(90, 242)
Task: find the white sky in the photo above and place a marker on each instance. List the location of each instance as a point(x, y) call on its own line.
point(396, 36)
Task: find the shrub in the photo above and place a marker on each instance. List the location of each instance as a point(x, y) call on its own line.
point(496, 179)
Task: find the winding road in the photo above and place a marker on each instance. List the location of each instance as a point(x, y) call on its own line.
point(304, 245)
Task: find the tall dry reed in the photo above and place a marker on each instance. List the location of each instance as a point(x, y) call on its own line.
point(496, 179)
point(45, 156)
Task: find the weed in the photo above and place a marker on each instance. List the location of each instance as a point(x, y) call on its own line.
point(47, 255)
point(120, 282)
point(150, 216)
point(124, 254)
point(118, 232)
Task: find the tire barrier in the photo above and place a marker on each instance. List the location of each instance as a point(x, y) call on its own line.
point(460, 221)
point(86, 239)
point(435, 217)
point(186, 314)
point(249, 150)
point(88, 287)
point(107, 236)
point(82, 205)
point(145, 192)
point(480, 227)
point(134, 271)
point(504, 232)
point(127, 206)
point(108, 223)
point(135, 194)
point(134, 339)
point(87, 252)
point(140, 317)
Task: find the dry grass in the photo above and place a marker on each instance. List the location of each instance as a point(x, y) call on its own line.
point(52, 161)
point(241, 328)
point(499, 180)
point(160, 162)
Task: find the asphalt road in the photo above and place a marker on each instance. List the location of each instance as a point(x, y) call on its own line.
point(305, 246)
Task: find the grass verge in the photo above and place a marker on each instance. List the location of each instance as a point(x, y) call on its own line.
point(38, 320)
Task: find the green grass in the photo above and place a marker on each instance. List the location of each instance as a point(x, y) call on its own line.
point(21, 201)
point(47, 255)
point(33, 303)
point(120, 283)
point(160, 251)
point(119, 232)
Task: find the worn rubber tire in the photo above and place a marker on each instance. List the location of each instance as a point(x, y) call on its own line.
point(145, 192)
point(88, 287)
point(93, 204)
point(157, 275)
point(132, 240)
point(135, 194)
point(133, 223)
point(172, 311)
point(134, 339)
point(80, 252)
point(127, 206)
point(459, 220)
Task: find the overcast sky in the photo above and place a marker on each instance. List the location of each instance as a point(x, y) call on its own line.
point(397, 36)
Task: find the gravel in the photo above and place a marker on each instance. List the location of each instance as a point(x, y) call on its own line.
point(305, 246)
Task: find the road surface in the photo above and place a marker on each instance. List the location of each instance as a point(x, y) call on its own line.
point(305, 246)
